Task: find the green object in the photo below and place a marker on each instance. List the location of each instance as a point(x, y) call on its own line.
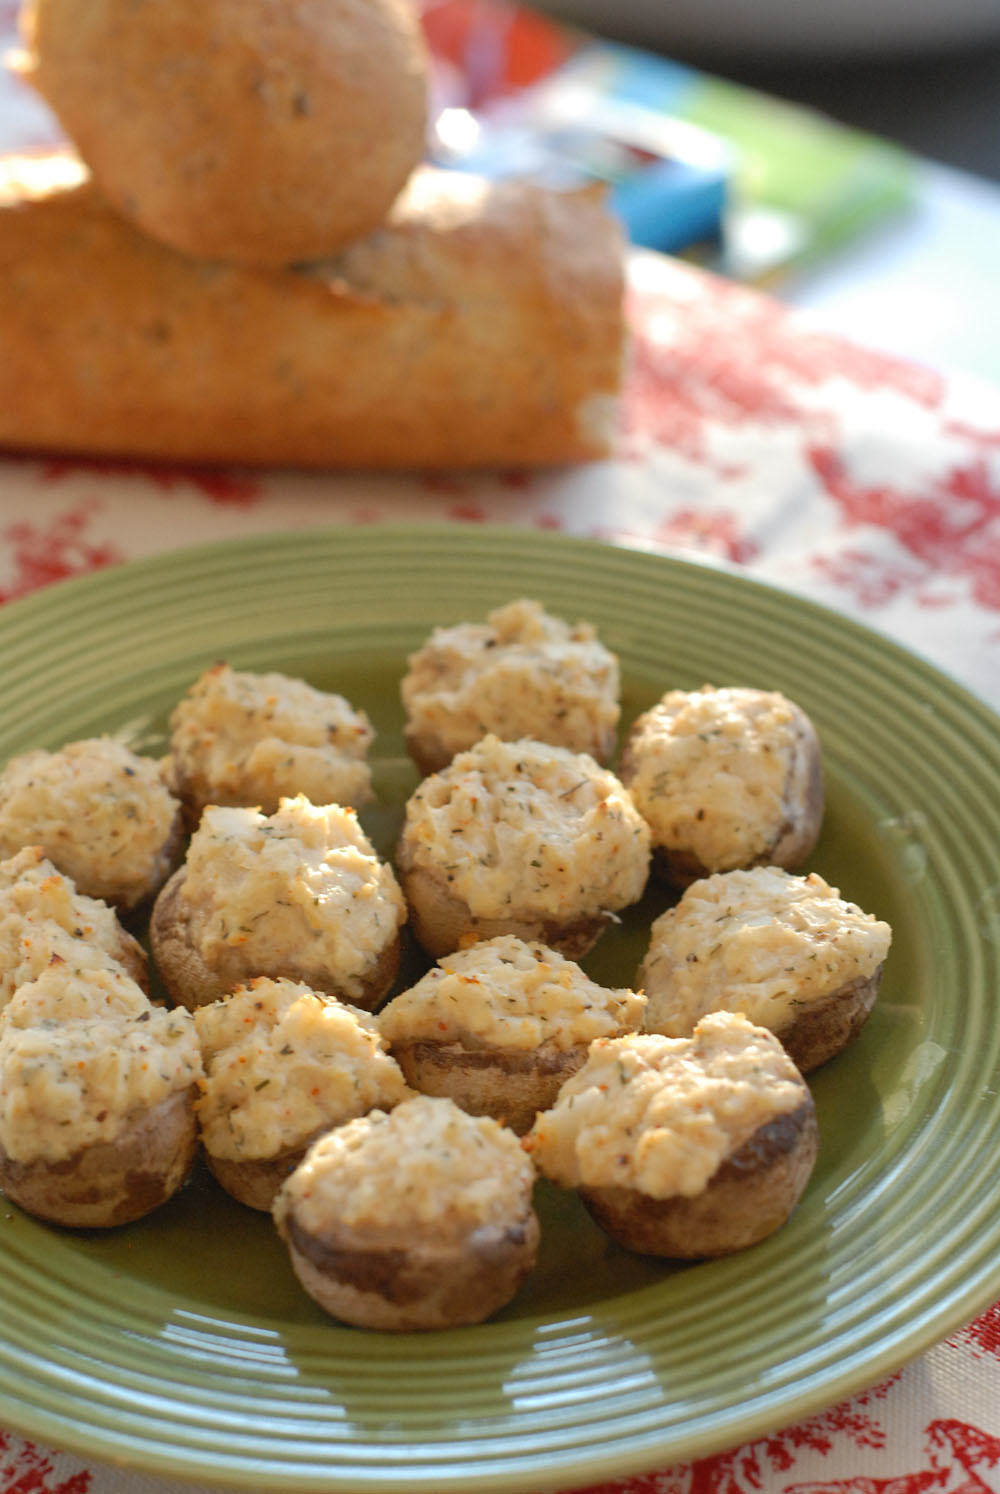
point(801, 184)
point(183, 1346)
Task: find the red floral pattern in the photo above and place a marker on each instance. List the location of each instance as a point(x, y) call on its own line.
point(955, 1457)
point(27, 1469)
point(983, 1335)
point(56, 551)
point(239, 489)
point(707, 354)
point(952, 532)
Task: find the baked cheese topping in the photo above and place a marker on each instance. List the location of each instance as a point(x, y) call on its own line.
point(75, 993)
point(80, 1053)
point(762, 942)
point(715, 772)
point(527, 828)
point(283, 1062)
point(426, 1164)
point(507, 993)
point(303, 887)
point(43, 916)
point(660, 1114)
point(240, 738)
point(521, 673)
point(100, 811)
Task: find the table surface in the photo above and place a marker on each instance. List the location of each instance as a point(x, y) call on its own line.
point(753, 438)
point(925, 284)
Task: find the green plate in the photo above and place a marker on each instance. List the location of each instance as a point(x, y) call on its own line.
point(182, 1345)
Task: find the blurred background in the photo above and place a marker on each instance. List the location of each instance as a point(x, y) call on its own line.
point(945, 105)
point(925, 73)
point(843, 154)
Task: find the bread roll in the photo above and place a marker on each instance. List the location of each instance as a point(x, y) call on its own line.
point(239, 130)
point(481, 326)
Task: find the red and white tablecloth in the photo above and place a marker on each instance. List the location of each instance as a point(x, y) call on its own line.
point(750, 438)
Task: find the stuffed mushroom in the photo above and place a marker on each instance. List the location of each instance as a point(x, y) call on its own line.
point(521, 673)
point(283, 1064)
point(499, 1026)
point(299, 894)
point(97, 1091)
point(520, 838)
point(786, 951)
point(419, 1219)
point(686, 1148)
point(725, 778)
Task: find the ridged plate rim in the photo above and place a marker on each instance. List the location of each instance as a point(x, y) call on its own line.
point(543, 1402)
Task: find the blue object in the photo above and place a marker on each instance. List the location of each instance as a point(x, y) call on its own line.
point(593, 120)
point(670, 205)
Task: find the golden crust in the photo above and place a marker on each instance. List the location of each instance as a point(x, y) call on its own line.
point(424, 1283)
point(115, 1182)
point(246, 132)
point(510, 1084)
point(192, 983)
point(750, 1195)
point(482, 325)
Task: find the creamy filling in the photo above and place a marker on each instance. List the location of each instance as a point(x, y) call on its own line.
point(241, 738)
point(522, 828)
point(43, 918)
point(506, 993)
point(302, 888)
point(81, 1052)
point(424, 1166)
point(715, 772)
point(522, 673)
point(101, 813)
point(762, 942)
point(659, 1115)
point(283, 1062)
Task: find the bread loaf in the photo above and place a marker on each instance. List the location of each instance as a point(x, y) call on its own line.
point(242, 130)
point(481, 325)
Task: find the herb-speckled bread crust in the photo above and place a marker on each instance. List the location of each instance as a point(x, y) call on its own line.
point(481, 324)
